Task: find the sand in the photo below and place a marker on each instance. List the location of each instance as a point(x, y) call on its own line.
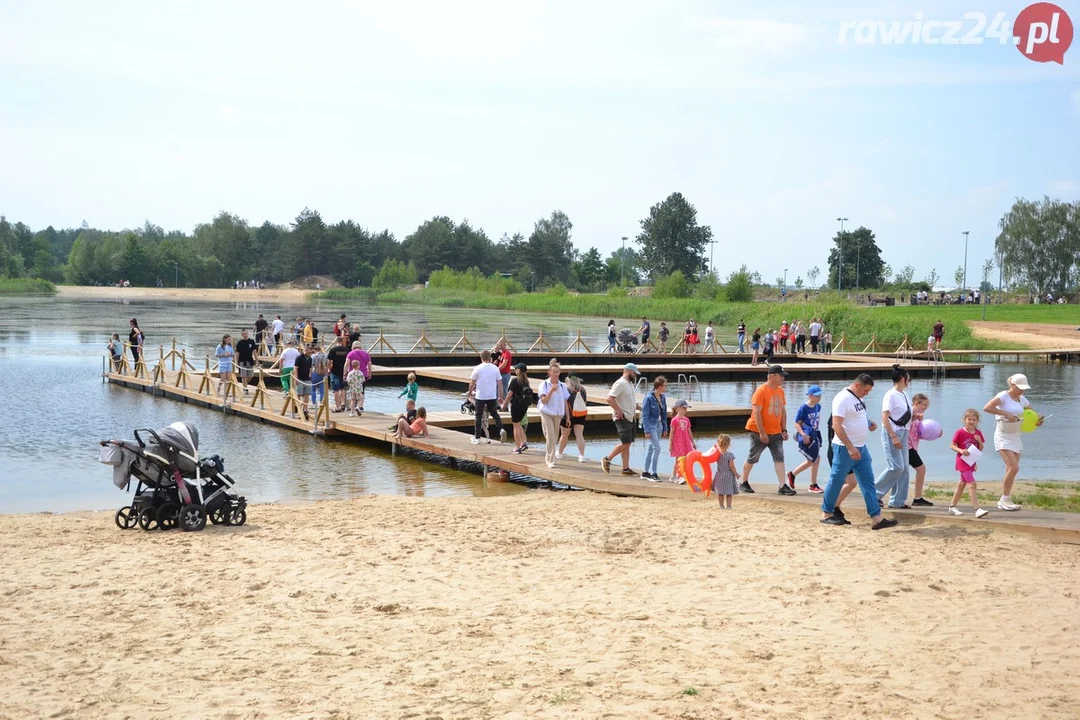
point(542, 605)
point(288, 295)
point(1029, 335)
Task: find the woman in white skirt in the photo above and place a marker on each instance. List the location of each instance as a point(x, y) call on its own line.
point(1009, 406)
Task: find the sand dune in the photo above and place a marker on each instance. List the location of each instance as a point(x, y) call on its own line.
point(542, 605)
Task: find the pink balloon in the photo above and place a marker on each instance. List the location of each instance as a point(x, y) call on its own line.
point(931, 430)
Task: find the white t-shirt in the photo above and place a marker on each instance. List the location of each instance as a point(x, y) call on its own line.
point(815, 329)
point(623, 392)
point(853, 410)
point(487, 379)
point(1016, 407)
point(557, 406)
point(288, 357)
point(278, 326)
point(895, 403)
point(709, 333)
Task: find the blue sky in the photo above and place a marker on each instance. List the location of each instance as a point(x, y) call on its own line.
point(500, 112)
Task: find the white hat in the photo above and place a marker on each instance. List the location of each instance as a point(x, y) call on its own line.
point(1020, 381)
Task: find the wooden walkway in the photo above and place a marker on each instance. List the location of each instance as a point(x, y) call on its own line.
point(269, 407)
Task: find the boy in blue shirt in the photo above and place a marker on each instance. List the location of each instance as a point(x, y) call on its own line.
point(808, 436)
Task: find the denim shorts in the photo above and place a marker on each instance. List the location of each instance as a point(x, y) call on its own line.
point(336, 383)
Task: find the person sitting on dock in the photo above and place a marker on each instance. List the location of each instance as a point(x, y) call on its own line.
point(417, 428)
point(623, 404)
point(768, 428)
point(486, 383)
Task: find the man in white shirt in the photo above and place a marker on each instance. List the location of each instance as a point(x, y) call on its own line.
point(485, 384)
point(851, 425)
point(623, 404)
point(278, 326)
point(815, 335)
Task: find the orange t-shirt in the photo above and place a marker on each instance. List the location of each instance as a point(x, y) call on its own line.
point(772, 401)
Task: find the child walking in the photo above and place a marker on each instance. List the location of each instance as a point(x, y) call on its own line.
point(681, 439)
point(412, 389)
point(919, 405)
point(726, 479)
point(355, 383)
point(808, 436)
point(965, 438)
point(116, 351)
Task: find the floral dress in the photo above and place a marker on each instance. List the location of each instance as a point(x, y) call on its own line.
point(681, 444)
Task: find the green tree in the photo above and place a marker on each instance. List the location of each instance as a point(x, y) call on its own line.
point(739, 287)
point(306, 246)
point(80, 263)
point(394, 274)
point(623, 263)
point(671, 239)
point(958, 276)
point(798, 283)
point(135, 266)
point(675, 285)
point(857, 258)
point(906, 276)
point(226, 237)
point(439, 243)
point(590, 270)
point(549, 249)
point(1039, 244)
point(932, 278)
point(812, 275)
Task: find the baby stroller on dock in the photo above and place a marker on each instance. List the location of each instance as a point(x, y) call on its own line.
point(174, 487)
point(625, 341)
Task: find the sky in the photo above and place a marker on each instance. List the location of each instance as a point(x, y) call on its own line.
point(389, 113)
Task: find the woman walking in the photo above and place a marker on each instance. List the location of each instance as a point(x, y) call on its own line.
point(896, 414)
point(654, 422)
point(611, 335)
point(755, 345)
point(577, 410)
point(519, 396)
point(552, 406)
point(1009, 406)
point(224, 353)
point(135, 342)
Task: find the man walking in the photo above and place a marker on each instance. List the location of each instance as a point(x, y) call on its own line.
point(851, 426)
point(623, 406)
point(278, 328)
point(742, 335)
point(337, 354)
point(245, 358)
point(643, 332)
point(768, 428)
point(815, 335)
point(260, 330)
point(486, 383)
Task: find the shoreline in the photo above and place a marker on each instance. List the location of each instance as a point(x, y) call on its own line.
point(83, 292)
point(547, 604)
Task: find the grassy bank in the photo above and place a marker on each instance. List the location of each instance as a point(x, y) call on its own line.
point(858, 324)
point(1057, 496)
point(26, 286)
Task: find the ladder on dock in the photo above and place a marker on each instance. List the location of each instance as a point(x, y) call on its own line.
point(687, 388)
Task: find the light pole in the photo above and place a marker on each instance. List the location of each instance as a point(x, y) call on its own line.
point(785, 277)
point(176, 274)
point(963, 290)
point(840, 264)
point(624, 260)
point(712, 246)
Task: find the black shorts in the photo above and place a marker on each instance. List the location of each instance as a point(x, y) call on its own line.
point(913, 458)
point(577, 420)
point(518, 412)
point(625, 430)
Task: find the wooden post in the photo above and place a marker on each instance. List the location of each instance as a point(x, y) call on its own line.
point(172, 355)
point(206, 385)
point(380, 343)
point(502, 339)
point(322, 412)
point(423, 342)
point(677, 346)
point(903, 345)
point(290, 400)
point(462, 342)
point(541, 343)
point(722, 348)
point(260, 391)
point(578, 343)
point(843, 340)
point(182, 374)
point(871, 344)
point(158, 375)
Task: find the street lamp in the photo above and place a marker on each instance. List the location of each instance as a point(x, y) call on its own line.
point(624, 260)
point(785, 277)
point(712, 245)
point(840, 264)
point(176, 274)
point(963, 290)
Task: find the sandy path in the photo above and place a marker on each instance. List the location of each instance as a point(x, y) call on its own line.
point(189, 294)
point(1036, 337)
point(544, 605)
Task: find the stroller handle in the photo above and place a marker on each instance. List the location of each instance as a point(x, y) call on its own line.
point(153, 434)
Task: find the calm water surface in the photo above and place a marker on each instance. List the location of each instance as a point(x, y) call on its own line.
point(50, 364)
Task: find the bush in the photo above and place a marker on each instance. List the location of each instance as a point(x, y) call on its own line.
point(472, 280)
point(616, 291)
point(393, 274)
point(26, 286)
point(674, 285)
point(739, 288)
point(558, 290)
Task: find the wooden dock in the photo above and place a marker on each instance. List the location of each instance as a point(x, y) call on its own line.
point(273, 407)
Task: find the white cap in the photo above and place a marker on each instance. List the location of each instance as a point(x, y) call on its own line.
point(1020, 381)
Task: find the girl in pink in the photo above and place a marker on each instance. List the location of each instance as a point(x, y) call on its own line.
point(966, 438)
point(682, 440)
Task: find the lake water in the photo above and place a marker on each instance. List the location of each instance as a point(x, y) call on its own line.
point(50, 364)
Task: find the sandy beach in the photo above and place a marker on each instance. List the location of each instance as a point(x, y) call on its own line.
point(82, 292)
point(1034, 336)
point(544, 605)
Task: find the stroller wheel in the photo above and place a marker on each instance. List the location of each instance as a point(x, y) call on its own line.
point(219, 516)
point(192, 517)
point(148, 519)
point(126, 518)
point(168, 515)
point(236, 517)
point(464, 408)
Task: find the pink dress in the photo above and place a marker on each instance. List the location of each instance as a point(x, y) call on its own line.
point(681, 444)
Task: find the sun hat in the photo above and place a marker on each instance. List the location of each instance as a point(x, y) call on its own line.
point(1020, 381)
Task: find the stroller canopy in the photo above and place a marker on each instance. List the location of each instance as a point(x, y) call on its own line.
point(626, 336)
point(182, 436)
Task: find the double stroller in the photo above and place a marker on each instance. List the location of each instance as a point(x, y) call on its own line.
point(174, 487)
point(625, 341)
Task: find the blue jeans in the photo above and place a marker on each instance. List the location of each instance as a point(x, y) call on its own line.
point(652, 450)
point(742, 342)
point(316, 387)
point(895, 477)
point(611, 343)
point(864, 473)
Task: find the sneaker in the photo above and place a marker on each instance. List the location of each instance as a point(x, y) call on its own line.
point(475, 441)
point(1007, 505)
point(487, 440)
point(745, 488)
point(558, 456)
point(680, 480)
point(953, 510)
point(551, 466)
point(791, 479)
point(628, 471)
point(517, 450)
point(605, 464)
point(817, 489)
point(351, 413)
point(581, 458)
point(785, 490)
point(981, 513)
point(833, 520)
point(654, 478)
point(646, 476)
point(920, 502)
point(524, 447)
point(502, 435)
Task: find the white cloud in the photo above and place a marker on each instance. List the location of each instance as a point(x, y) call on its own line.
point(1064, 189)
